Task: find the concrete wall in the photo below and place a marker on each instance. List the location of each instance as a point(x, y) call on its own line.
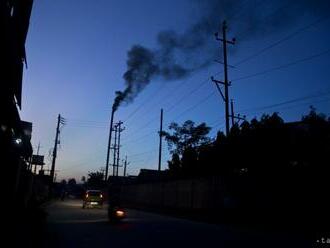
point(181, 194)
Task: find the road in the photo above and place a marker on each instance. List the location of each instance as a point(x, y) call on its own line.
point(69, 225)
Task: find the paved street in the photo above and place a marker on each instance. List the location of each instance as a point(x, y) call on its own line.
point(71, 226)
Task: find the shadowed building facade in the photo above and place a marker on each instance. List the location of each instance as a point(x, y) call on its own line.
point(15, 134)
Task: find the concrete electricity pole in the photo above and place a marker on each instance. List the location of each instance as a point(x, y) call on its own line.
point(226, 83)
point(160, 140)
point(60, 120)
point(235, 117)
point(35, 166)
point(120, 129)
point(232, 113)
point(125, 166)
point(109, 145)
point(114, 147)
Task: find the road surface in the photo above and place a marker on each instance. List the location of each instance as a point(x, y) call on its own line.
point(69, 225)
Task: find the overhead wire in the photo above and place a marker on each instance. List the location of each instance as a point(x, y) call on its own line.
point(286, 38)
point(283, 66)
point(299, 99)
point(241, 78)
point(291, 35)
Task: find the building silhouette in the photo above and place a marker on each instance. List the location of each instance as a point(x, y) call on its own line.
point(15, 134)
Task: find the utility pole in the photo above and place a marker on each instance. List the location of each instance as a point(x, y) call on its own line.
point(233, 116)
point(125, 166)
point(52, 171)
point(35, 166)
point(226, 83)
point(102, 170)
point(160, 140)
point(232, 113)
point(120, 129)
point(114, 151)
point(109, 145)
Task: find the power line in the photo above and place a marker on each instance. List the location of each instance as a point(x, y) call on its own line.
point(204, 82)
point(142, 153)
point(167, 96)
point(195, 105)
point(222, 123)
point(175, 104)
point(294, 106)
point(182, 113)
point(288, 37)
point(242, 110)
point(179, 115)
point(140, 138)
point(262, 51)
point(199, 86)
point(299, 99)
point(186, 95)
point(80, 121)
point(87, 126)
point(179, 101)
point(252, 56)
point(152, 96)
point(170, 94)
point(283, 66)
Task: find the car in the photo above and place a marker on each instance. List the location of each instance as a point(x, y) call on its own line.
point(93, 198)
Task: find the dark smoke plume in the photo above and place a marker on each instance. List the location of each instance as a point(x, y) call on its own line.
point(177, 55)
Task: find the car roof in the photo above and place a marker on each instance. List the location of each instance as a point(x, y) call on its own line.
point(93, 190)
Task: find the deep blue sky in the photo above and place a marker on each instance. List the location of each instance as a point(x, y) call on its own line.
point(76, 54)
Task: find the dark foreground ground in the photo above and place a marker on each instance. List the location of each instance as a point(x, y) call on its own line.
point(68, 225)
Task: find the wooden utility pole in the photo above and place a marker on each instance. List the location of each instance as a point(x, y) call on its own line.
point(226, 83)
point(160, 140)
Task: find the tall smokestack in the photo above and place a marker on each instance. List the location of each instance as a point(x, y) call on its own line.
point(109, 142)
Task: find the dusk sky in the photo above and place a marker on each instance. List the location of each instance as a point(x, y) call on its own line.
point(77, 53)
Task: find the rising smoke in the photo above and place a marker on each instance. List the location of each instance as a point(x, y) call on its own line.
point(177, 55)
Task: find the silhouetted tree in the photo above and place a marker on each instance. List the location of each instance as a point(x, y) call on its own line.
point(316, 141)
point(186, 136)
point(262, 160)
point(72, 182)
point(174, 164)
point(183, 143)
point(83, 179)
point(189, 161)
point(95, 179)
